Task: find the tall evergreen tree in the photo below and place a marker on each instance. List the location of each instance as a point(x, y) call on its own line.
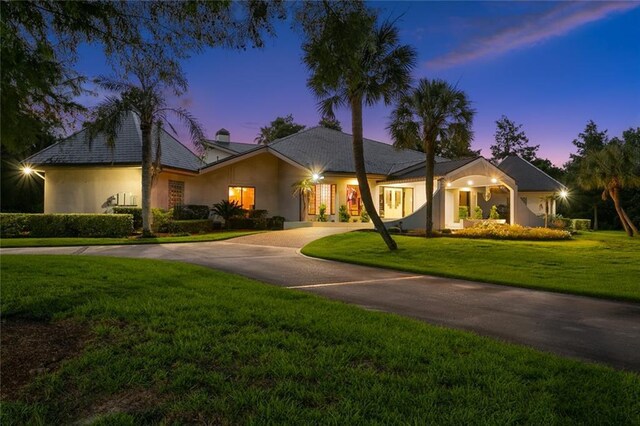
point(511, 139)
point(278, 128)
point(330, 123)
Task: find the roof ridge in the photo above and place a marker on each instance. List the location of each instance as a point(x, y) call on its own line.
point(291, 135)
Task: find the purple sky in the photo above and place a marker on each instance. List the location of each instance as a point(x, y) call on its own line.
point(549, 66)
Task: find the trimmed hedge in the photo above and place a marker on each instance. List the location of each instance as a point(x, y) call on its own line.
point(581, 224)
point(66, 225)
point(241, 222)
point(136, 212)
point(191, 212)
point(197, 226)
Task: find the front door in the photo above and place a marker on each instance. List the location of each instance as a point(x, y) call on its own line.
point(392, 203)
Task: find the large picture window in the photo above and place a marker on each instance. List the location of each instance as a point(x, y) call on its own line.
point(243, 195)
point(323, 193)
point(176, 193)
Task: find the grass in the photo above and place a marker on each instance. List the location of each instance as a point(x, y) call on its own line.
point(600, 264)
point(60, 242)
point(177, 343)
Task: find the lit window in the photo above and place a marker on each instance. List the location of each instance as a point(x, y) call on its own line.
point(243, 195)
point(176, 193)
point(322, 194)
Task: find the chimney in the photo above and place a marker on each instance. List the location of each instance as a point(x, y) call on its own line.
point(223, 135)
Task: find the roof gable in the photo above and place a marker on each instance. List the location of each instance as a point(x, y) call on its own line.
point(527, 176)
point(76, 150)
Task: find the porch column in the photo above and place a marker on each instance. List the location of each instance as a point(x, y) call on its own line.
point(512, 209)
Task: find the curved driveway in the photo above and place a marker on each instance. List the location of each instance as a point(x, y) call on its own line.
point(575, 326)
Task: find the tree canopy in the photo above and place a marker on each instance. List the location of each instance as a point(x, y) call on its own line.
point(40, 41)
point(330, 123)
point(511, 139)
point(278, 128)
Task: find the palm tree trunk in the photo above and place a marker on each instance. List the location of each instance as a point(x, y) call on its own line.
point(145, 129)
point(595, 216)
point(621, 214)
point(430, 150)
point(361, 173)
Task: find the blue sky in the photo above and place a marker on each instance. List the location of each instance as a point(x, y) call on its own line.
point(549, 66)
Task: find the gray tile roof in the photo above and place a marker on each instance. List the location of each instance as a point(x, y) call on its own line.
point(75, 150)
point(441, 168)
point(328, 150)
point(527, 176)
point(237, 147)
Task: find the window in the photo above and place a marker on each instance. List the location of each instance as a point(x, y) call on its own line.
point(176, 193)
point(354, 202)
point(322, 194)
point(243, 195)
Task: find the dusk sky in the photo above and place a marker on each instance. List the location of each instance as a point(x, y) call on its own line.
point(549, 66)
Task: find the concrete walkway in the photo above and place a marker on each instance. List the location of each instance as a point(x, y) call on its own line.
point(574, 326)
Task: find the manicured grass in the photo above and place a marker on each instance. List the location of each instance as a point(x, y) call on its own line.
point(59, 242)
point(177, 343)
point(601, 264)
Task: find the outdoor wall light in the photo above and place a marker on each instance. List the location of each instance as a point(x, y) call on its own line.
point(448, 183)
point(564, 193)
point(316, 177)
point(494, 180)
point(469, 182)
point(28, 171)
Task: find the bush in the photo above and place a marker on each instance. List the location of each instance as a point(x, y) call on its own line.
point(242, 222)
point(161, 220)
point(276, 222)
point(343, 214)
point(477, 212)
point(463, 212)
point(66, 225)
point(322, 216)
point(257, 214)
point(559, 222)
point(196, 226)
point(13, 224)
point(493, 213)
point(364, 216)
point(499, 231)
point(581, 224)
point(136, 212)
point(190, 212)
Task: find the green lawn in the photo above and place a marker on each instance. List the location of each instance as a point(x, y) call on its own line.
point(601, 264)
point(178, 343)
point(58, 242)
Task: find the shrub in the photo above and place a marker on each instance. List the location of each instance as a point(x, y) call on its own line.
point(242, 222)
point(364, 216)
point(581, 224)
point(190, 212)
point(13, 224)
point(257, 214)
point(343, 214)
point(498, 231)
point(195, 226)
point(161, 219)
point(559, 222)
point(276, 222)
point(322, 216)
point(493, 213)
point(227, 209)
point(136, 212)
point(463, 212)
point(477, 212)
point(67, 225)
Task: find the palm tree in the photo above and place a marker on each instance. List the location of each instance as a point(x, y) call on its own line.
point(303, 188)
point(431, 113)
point(228, 209)
point(354, 61)
point(612, 168)
point(147, 98)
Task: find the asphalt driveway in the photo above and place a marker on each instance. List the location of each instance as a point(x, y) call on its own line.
point(575, 326)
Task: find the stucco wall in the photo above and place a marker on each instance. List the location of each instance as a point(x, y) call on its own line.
point(535, 200)
point(214, 154)
point(87, 189)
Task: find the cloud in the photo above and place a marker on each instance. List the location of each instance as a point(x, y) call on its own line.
point(555, 22)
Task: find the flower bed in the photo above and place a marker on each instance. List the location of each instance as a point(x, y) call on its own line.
point(511, 232)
